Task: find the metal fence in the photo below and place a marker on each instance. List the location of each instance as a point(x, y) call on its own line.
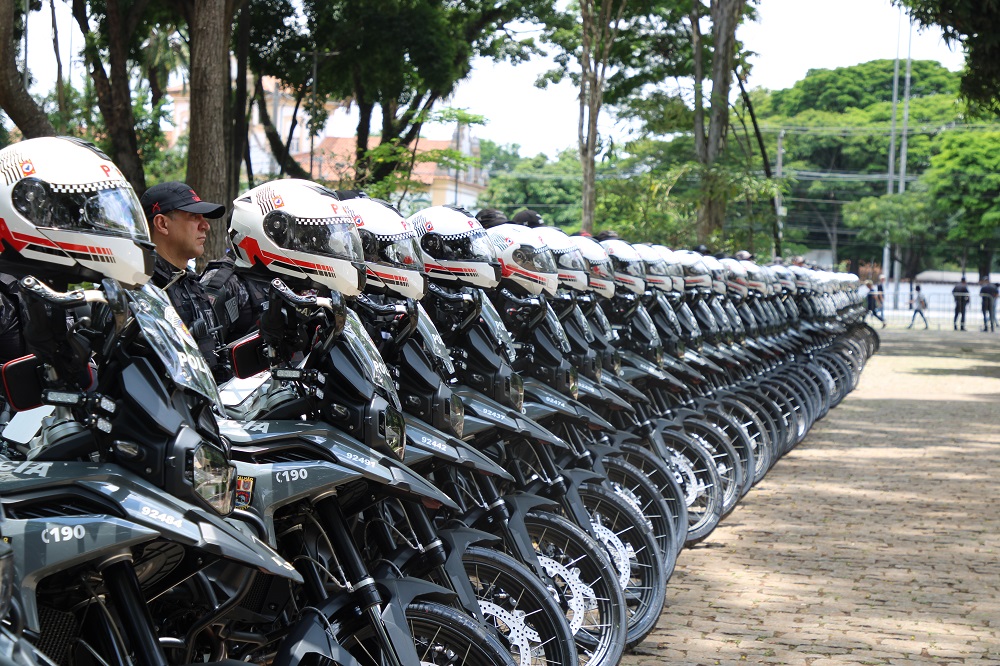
point(940, 312)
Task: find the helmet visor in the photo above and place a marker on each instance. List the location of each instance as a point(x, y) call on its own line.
point(636, 269)
point(535, 260)
point(473, 245)
point(601, 269)
point(572, 259)
point(657, 267)
point(401, 250)
point(327, 236)
point(103, 208)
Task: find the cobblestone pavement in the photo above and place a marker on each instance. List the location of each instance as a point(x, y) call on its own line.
point(876, 541)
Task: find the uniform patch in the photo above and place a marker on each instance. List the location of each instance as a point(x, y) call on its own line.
point(244, 492)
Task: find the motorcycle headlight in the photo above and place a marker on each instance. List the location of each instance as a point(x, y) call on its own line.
point(394, 430)
point(457, 416)
point(574, 383)
point(212, 477)
point(516, 391)
point(598, 373)
point(6, 577)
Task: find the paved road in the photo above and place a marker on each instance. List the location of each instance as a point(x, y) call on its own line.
point(876, 541)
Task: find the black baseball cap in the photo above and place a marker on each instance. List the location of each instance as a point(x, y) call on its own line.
point(175, 195)
point(528, 218)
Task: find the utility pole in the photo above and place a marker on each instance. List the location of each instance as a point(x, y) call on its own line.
point(892, 136)
point(779, 208)
point(897, 267)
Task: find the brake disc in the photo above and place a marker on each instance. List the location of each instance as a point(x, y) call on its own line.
point(582, 597)
point(518, 633)
point(620, 553)
point(633, 500)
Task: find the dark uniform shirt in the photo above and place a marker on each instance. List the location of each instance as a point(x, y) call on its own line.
point(195, 309)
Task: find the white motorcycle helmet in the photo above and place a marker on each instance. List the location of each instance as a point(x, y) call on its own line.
point(525, 260)
point(736, 278)
point(629, 268)
point(573, 268)
point(457, 250)
point(67, 212)
point(301, 232)
point(756, 281)
point(674, 267)
point(394, 260)
point(657, 270)
point(718, 273)
point(601, 273)
point(697, 276)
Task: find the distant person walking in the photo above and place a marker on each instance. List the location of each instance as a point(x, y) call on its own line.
point(871, 303)
point(961, 295)
point(988, 296)
point(880, 295)
point(919, 303)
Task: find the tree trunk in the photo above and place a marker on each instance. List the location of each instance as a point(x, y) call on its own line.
point(207, 154)
point(699, 77)
point(240, 113)
point(114, 97)
point(725, 18)
point(274, 140)
point(985, 261)
point(14, 99)
point(60, 88)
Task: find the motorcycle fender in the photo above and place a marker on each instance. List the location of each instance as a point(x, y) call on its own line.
point(43, 546)
point(457, 541)
point(575, 476)
point(398, 593)
point(265, 488)
point(310, 642)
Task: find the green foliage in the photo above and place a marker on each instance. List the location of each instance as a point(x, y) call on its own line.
point(860, 86)
point(640, 208)
point(550, 187)
point(494, 158)
point(964, 180)
point(975, 25)
point(911, 221)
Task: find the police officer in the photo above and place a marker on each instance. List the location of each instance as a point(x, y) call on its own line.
point(178, 223)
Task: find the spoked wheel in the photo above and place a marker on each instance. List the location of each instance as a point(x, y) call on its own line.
point(738, 436)
point(698, 476)
point(756, 431)
point(627, 537)
point(631, 484)
point(724, 457)
point(446, 637)
point(586, 584)
point(523, 611)
point(441, 635)
point(666, 481)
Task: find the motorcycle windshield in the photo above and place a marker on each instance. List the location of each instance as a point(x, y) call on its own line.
point(645, 323)
point(170, 339)
point(668, 312)
point(556, 329)
point(432, 340)
point(582, 324)
point(368, 358)
point(495, 325)
point(604, 324)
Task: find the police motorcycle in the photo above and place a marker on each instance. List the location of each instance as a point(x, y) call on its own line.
point(529, 279)
point(708, 389)
point(327, 399)
point(687, 431)
point(461, 265)
point(606, 392)
point(117, 509)
point(686, 460)
point(496, 587)
point(658, 496)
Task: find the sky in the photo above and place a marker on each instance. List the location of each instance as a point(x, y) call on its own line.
point(789, 38)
